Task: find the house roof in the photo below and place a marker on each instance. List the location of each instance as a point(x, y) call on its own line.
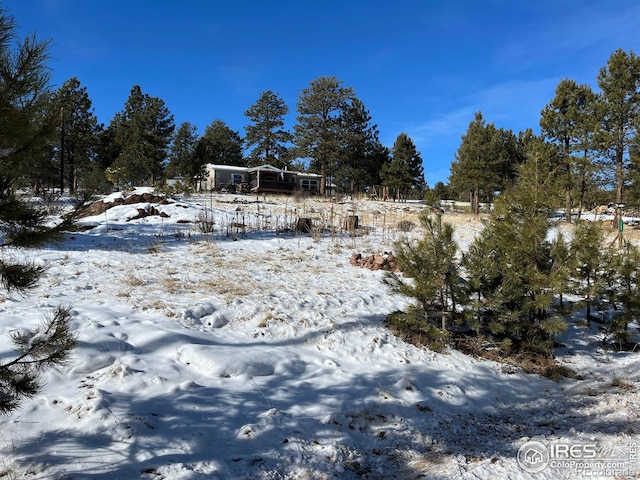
point(229, 168)
point(261, 168)
point(270, 168)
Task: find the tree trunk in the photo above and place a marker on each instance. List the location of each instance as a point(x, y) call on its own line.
point(619, 170)
point(583, 188)
point(473, 200)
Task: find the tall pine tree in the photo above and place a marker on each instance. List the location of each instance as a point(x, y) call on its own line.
point(619, 82)
point(267, 134)
point(143, 131)
point(405, 171)
point(220, 145)
point(363, 154)
point(569, 120)
point(79, 130)
point(182, 154)
point(25, 127)
point(319, 133)
point(486, 161)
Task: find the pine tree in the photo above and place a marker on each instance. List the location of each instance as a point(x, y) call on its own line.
point(267, 134)
point(182, 154)
point(220, 145)
point(473, 169)
point(590, 261)
point(432, 272)
point(569, 120)
point(486, 161)
point(23, 99)
point(512, 275)
point(319, 133)
point(619, 82)
point(26, 129)
point(405, 171)
point(79, 130)
point(625, 294)
point(363, 154)
point(143, 131)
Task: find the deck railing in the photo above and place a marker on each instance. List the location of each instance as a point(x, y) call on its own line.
point(272, 186)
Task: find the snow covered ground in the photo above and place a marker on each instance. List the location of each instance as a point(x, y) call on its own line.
point(258, 352)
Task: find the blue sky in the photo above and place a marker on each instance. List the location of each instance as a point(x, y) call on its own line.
point(421, 67)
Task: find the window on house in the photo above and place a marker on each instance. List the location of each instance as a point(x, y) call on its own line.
point(309, 185)
point(237, 178)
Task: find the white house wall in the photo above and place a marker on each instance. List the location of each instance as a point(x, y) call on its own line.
point(219, 176)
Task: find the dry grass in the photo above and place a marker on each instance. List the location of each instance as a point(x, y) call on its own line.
point(155, 249)
point(265, 321)
point(229, 285)
point(622, 385)
point(171, 285)
point(133, 280)
point(465, 219)
point(527, 362)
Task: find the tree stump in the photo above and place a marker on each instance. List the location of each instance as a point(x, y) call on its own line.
point(351, 222)
point(305, 225)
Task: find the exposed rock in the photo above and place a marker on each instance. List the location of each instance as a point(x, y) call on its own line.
point(150, 211)
point(99, 207)
point(377, 261)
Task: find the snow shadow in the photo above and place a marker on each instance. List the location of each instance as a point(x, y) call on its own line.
point(310, 414)
point(138, 240)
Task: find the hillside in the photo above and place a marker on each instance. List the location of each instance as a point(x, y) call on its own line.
point(257, 351)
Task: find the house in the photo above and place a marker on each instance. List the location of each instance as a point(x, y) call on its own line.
point(218, 177)
point(270, 179)
point(309, 182)
point(262, 179)
point(176, 181)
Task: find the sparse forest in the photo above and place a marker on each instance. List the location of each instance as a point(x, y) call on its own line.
point(507, 293)
point(593, 134)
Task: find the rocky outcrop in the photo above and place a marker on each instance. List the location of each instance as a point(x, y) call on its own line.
point(99, 207)
point(377, 261)
point(147, 212)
